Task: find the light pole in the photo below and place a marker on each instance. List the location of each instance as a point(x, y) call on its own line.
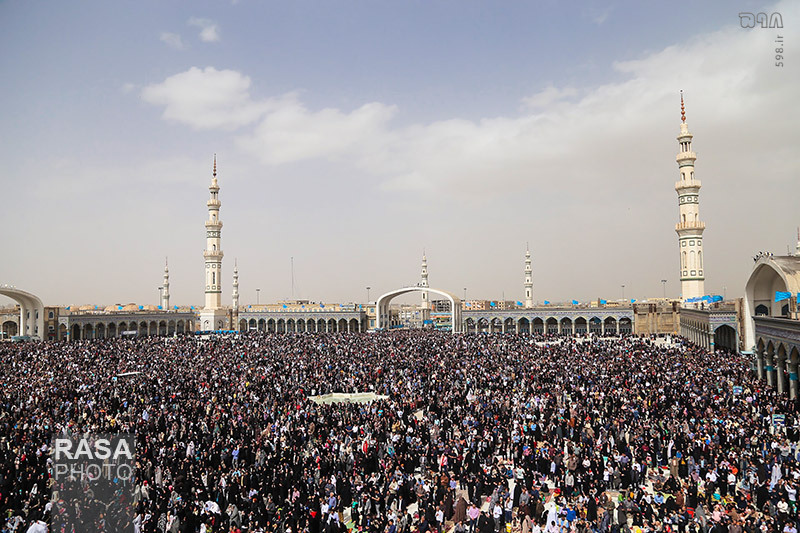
point(258, 296)
point(368, 288)
point(160, 289)
point(664, 286)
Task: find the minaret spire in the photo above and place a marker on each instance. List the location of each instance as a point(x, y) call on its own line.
point(683, 109)
point(689, 228)
point(528, 278)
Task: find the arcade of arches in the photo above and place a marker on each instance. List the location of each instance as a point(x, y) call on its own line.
point(104, 329)
point(301, 325)
point(581, 325)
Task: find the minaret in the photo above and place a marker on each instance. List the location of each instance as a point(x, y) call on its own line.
point(235, 295)
point(165, 288)
point(689, 227)
point(528, 279)
point(424, 281)
point(213, 316)
point(797, 247)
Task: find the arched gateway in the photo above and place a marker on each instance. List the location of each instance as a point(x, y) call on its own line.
point(382, 306)
point(31, 311)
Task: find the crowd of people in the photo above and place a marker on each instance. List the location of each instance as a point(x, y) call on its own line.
point(466, 433)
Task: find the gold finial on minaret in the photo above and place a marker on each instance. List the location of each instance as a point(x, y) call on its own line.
point(683, 109)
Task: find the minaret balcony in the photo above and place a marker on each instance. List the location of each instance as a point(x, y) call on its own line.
point(690, 225)
point(214, 254)
point(682, 156)
point(213, 203)
point(687, 184)
point(214, 224)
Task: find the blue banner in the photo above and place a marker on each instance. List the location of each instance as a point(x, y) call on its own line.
point(781, 296)
point(716, 298)
point(633, 300)
point(547, 302)
point(492, 304)
point(603, 302)
point(519, 304)
point(574, 302)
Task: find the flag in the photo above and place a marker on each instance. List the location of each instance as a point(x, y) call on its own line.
point(284, 306)
point(322, 304)
point(781, 296)
point(67, 308)
point(547, 302)
point(574, 302)
point(633, 300)
point(519, 304)
point(141, 307)
point(119, 308)
point(191, 307)
point(716, 298)
point(159, 307)
point(176, 307)
point(603, 302)
point(492, 304)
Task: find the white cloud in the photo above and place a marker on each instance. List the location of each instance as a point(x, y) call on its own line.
point(209, 31)
point(290, 132)
point(206, 98)
point(549, 96)
point(173, 40)
point(598, 15)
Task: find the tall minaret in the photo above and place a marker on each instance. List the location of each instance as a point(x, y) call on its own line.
point(528, 279)
point(689, 228)
point(797, 247)
point(424, 281)
point(213, 316)
point(165, 289)
point(235, 295)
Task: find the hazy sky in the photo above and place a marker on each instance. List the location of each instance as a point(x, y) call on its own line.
point(350, 135)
